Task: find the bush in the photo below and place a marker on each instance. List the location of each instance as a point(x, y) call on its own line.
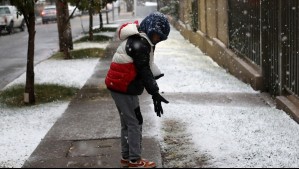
point(171, 8)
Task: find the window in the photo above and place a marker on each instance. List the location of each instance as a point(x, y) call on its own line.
point(4, 11)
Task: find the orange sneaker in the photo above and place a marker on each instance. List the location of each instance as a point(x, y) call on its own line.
point(124, 163)
point(142, 163)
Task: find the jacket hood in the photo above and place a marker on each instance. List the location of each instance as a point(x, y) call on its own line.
point(127, 30)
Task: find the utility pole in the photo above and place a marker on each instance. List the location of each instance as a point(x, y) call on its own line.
point(135, 8)
point(113, 11)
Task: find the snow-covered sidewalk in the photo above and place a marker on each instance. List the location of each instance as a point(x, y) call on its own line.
point(211, 134)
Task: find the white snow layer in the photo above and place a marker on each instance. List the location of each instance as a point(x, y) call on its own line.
point(230, 136)
point(23, 128)
point(217, 135)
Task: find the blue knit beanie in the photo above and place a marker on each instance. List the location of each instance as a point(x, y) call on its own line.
point(155, 23)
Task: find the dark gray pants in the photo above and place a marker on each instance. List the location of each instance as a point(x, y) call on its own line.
point(131, 125)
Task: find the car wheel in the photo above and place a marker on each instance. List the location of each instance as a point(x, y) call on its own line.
point(10, 28)
point(45, 22)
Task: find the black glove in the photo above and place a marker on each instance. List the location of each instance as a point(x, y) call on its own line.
point(159, 76)
point(157, 98)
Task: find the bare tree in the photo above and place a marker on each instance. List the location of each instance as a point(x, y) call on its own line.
point(93, 6)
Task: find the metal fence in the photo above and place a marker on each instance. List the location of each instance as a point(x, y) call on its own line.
point(267, 33)
point(290, 40)
point(271, 46)
point(195, 18)
point(244, 33)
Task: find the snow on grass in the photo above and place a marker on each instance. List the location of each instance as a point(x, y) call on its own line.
point(112, 25)
point(23, 128)
point(64, 72)
point(85, 45)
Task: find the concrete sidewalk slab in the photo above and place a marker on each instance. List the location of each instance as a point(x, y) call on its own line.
point(101, 153)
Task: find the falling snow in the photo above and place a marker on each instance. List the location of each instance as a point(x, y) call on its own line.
point(202, 133)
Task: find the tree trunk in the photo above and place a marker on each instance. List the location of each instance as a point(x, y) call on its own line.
point(65, 48)
point(69, 28)
point(101, 20)
point(90, 20)
point(107, 17)
point(29, 96)
point(163, 3)
point(59, 24)
point(64, 31)
point(130, 5)
point(70, 37)
point(160, 4)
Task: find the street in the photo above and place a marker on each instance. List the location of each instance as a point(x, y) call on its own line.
point(13, 47)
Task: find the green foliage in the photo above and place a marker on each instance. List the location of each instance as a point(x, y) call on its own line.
point(45, 93)
point(24, 6)
point(96, 38)
point(171, 7)
point(84, 5)
point(106, 29)
point(194, 16)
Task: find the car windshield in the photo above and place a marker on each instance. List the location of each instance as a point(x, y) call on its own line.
point(50, 11)
point(4, 11)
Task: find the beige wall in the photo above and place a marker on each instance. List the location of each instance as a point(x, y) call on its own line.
point(182, 10)
point(202, 16)
point(185, 11)
point(212, 38)
point(222, 21)
point(211, 18)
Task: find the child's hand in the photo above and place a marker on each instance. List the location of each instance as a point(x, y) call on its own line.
point(159, 76)
point(157, 98)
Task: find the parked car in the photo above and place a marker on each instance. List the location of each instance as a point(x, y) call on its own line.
point(10, 19)
point(49, 14)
